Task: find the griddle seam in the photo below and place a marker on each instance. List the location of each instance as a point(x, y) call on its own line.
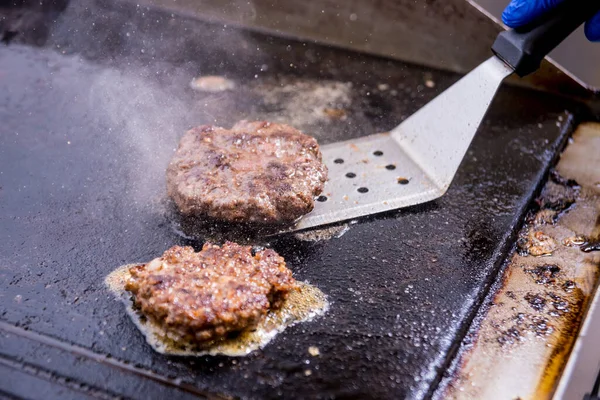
point(508, 244)
point(47, 375)
point(111, 362)
point(9, 395)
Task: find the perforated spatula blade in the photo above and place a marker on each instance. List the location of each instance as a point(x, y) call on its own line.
point(417, 160)
point(412, 164)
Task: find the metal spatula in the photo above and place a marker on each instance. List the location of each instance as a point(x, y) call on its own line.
point(417, 160)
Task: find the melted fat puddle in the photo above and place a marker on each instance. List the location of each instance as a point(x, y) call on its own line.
point(300, 306)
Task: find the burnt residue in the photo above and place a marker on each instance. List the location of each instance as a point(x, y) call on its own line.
point(510, 336)
point(589, 247)
point(557, 197)
point(568, 286)
point(535, 243)
point(560, 299)
point(560, 305)
point(559, 194)
point(557, 178)
point(536, 301)
point(540, 326)
point(561, 302)
point(521, 326)
point(550, 309)
point(544, 274)
point(593, 242)
point(570, 314)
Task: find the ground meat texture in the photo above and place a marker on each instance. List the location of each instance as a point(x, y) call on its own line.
point(200, 297)
point(256, 172)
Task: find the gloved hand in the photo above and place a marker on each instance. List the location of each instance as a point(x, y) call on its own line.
point(521, 12)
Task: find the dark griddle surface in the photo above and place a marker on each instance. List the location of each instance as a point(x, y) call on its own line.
point(83, 146)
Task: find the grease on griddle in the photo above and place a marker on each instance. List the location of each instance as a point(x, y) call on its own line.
point(557, 198)
point(561, 306)
point(300, 306)
point(570, 324)
point(523, 324)
point(510, 336)
point(545, 217)
point(536, 243)
point(535, 316)
point(544, 274)
point(536, 301)
point(568, 286)
point(593, 242)
point(589, 247)
point(304, 103)
point(574, 241)
point(210, 230)
point(540, 326)
point(327, 233)
point(205, 229)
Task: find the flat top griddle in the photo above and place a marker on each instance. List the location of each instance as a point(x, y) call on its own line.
point(84, 140)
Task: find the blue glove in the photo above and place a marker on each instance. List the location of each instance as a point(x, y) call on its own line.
point(521, 12)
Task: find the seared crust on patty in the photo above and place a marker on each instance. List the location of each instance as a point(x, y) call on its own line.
point(256, 172)
point(200, 297)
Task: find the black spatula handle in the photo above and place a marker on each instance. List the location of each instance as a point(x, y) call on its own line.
point(524, 48)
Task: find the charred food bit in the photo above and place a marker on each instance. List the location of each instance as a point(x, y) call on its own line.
point(201, 297)
point(574, 241)
point(588, 247)
point(256, 172)
point(536, 243)
point(212, 83)
point(314, 351)
point(335, 113)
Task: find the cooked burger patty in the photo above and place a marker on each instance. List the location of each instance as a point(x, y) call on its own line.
point(257, 172)
point(199, 297)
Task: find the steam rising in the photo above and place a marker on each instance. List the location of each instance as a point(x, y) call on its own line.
point(150, 114)
point(149, 118)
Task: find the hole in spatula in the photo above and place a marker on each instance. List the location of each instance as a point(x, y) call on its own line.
point(362, 190)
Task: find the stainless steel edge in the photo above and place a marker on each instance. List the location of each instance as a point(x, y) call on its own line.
point(576, 56)
point(450, 35)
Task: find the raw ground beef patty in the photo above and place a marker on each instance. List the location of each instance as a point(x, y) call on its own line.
point(200, 297)
point(255, 172)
